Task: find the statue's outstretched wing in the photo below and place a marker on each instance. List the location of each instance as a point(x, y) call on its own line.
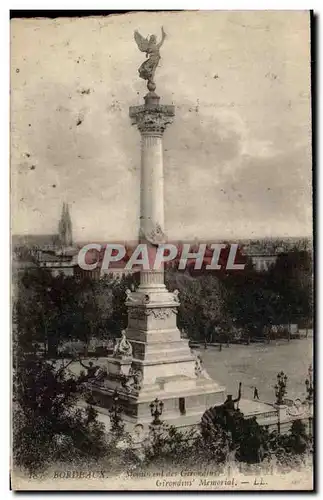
point(141, 41)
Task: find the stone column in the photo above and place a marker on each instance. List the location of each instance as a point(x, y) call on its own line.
point(152, 184)
point(162, 364)
point(151, 120)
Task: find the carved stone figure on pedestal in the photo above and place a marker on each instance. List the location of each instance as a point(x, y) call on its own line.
point(229, 402)
point(123, 348)
point(91, 369)
point(133, 381)
point(129, 296)
point(144, 299)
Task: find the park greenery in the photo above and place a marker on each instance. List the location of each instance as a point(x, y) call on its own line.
point(224, 306)
point(50, 427)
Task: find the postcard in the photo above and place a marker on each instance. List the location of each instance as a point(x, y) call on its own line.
point(162, 252)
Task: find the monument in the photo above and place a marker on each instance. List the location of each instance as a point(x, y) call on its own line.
point(152, 370)
point(151, 360)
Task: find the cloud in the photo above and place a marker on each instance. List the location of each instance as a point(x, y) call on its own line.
point(236, 157)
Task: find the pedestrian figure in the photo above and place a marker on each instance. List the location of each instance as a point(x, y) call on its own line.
point(255, 393)
point(220, 347)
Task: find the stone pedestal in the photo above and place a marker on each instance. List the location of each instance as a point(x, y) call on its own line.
point(119, 367)
point(282, 412)
point(162, 364)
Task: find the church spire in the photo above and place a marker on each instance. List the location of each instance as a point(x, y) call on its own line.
point(65, 227)
point(68, 219)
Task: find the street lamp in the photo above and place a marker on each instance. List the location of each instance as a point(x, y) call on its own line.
point(156, 410)
point(281, 388)
point(309, 385)
point(115, 412)
point(309, 398)
point(280, 392)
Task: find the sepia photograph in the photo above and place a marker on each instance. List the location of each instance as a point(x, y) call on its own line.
point(162, 281)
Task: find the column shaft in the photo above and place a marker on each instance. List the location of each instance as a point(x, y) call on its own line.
point(152, 120)
point(152, 184)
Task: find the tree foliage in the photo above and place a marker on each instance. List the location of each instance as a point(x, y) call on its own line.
point(48, 425)
point(55, 309)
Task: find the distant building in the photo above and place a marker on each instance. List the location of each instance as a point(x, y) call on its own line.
point(57, 253)
point(54, 252)
point(21, 260)
point(263, 254)
point(262, 263)
point(56, 263)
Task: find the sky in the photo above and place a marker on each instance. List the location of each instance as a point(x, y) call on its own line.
point(237, 159)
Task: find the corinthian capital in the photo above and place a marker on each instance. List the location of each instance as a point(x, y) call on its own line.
point(152, 120)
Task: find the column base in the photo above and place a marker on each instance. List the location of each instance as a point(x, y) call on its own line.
point(162, 365)
point(182, 398)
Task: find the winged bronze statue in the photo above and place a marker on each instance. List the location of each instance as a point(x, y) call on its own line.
point(151, 47)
